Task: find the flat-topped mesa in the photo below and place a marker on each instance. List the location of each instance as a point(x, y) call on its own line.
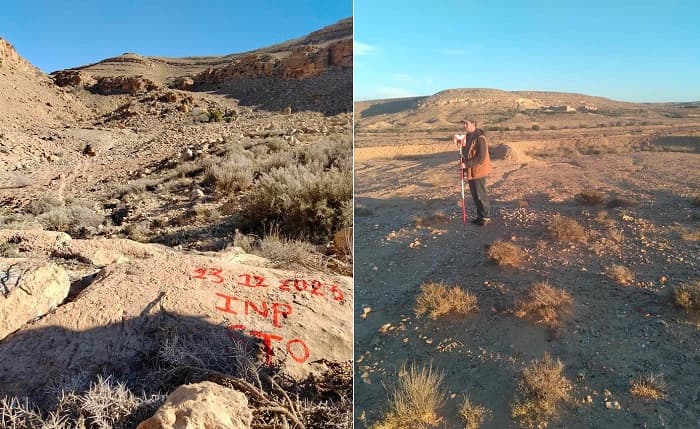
point(303, 62)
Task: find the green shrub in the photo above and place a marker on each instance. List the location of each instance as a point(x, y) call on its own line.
point(536, 127)
point(299, 201)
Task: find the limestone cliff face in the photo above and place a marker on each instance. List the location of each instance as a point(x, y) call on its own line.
point(302, 63)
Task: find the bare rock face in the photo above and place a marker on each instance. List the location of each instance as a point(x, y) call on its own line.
point(108, 85)
point(303, 62)
point(203, 405)
point(118, 324)
point(29, 289)
point(74, 78)
point(183, 83)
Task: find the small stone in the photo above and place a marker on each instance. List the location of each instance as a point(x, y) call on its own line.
point(196, 194)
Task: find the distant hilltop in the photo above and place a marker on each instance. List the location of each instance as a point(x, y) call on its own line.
point(500, 109)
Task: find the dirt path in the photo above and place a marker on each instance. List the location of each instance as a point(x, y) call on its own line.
point(613, 333)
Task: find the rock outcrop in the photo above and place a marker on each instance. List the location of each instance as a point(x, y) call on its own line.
point(203, 405)
point(108, 85)
point(302, 63)
point(29, 289)
point(149, 295)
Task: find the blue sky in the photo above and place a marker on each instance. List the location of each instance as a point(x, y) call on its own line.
point(625, 50)
point(55, 35)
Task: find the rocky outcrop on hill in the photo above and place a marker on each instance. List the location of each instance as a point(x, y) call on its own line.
point(28, 97)
point(302, 63)
point(124, 85)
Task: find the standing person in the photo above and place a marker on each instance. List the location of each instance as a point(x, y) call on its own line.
point(476, 160)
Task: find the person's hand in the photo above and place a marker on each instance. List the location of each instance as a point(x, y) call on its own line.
point(463, 166)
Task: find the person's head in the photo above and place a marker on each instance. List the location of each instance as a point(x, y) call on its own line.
point(469, 124)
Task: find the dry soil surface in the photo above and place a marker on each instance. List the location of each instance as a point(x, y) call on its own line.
point(612, 333)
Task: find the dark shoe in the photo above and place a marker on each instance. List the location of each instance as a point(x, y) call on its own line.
point(483, 221)
point(476, 221)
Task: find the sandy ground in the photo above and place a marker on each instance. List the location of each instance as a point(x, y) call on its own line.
point(613, 332)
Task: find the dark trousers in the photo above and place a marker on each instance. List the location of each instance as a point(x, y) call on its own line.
point(481, 199)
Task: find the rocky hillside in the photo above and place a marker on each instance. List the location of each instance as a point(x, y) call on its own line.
point(513, 109)
point(30, 97)
point(309, 73)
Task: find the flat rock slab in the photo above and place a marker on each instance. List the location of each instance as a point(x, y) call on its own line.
point(29, 289)
point(116, 324)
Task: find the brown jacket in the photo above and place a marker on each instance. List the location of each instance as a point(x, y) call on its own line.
point(477, 158)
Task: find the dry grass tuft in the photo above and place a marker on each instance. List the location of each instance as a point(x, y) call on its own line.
point(436, 218)
point(564, 228)
point(290, 254)
point(590, 198)
point(620, 274)
point(621, 202)
point(415, 400)
point(437, 299)
point(687, 296)
point(505, 254)
point(541, 387)
point(648, 386)
point(473, 414)
point(543, 303)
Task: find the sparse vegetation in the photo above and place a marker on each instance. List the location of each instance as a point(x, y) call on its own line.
point(535, 127)
point(590, 198)
point(437, 299)
point(544, 304)
point(541, 389)
point(564, 228)
point(687, 296)
point(289, 254)
point(621, 202)
point(415, 399)
point(72, 216)
point(648, 386)
point(231, 175)
point(505, 254)
point(299, 202)
point(105, 404)
point(433, 219)
point(620, 274)
point(473, 414)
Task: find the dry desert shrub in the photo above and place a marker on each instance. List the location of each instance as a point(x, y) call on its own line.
point(437, 299)
point(564, 228)
point(544, 304)
point(505, 254)
point(590, 198)
point(620, 274)
point(473, 414)
point(104, 405)
point(76, 220)
point(541, 388)
point(433, 219)
point(300, 202)
point(230, 175)
point(648, 386)
point(687, 296)
point(328, 152)
point(414, 402)
point(289, 254)
point(621, 202)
